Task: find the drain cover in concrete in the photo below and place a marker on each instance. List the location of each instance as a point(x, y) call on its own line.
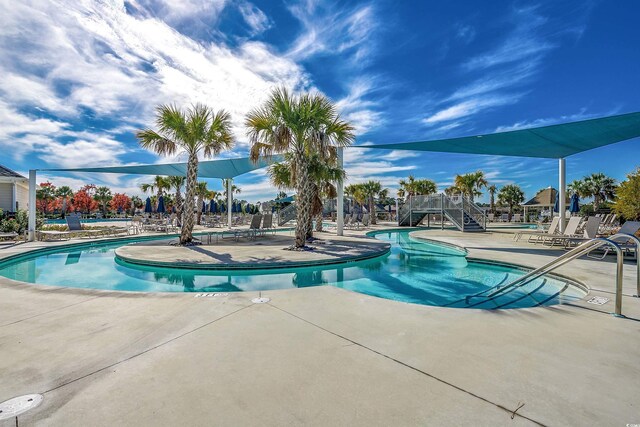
point(19, 405)
point(260, 300)
point(598, 300)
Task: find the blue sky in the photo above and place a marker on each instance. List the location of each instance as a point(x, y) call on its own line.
point(80, 77)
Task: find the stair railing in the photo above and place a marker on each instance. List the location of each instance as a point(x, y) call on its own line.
point(563, 259)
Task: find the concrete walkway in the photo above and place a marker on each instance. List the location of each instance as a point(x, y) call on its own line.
point(321, 356)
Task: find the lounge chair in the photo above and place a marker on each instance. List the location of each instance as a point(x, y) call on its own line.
point(570, 231)
point(491, 217)
point(254, 228)
point(11, 235)
point(516, 218)
point(365, 221)
point(590, 231)
point(267, 224)
point(537, 234)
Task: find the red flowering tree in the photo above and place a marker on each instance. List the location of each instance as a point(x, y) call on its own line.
point(45, 196)
point(83, 201)
point(120, 203)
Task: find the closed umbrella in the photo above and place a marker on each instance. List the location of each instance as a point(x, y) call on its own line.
point(223, 208)
point(161, 208)
point(556, 206)
point(213, 206)
point(147, 206)
point(204, 207)
point(234, 207)
point(574, 206)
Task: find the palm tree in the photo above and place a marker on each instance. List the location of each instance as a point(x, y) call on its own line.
point(415, 187)
point(65, 193)
point(159, 185)
point(203, 193)
point(234, 188)
point(176, 182)
point(103, 196)
point(470, 184)
point(492, 197)
point(577, 186)
point(302, 126)
point(199, 130)
point(600, 187)
point(511, 195)
point(372, 189)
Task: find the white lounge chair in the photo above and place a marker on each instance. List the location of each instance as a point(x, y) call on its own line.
point(537, 234)
point(570, 231)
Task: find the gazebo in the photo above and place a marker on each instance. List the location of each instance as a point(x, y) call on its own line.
point(544, 199)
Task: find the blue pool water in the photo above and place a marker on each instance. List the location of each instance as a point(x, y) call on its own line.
point(413, 271)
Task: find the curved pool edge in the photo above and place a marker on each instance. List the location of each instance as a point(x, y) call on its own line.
point(523, 267)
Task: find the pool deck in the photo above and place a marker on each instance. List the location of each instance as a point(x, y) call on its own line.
point(267, 251)
point(322, 355)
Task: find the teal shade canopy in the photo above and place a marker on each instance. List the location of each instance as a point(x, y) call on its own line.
point(223, 169)
point(552, 142)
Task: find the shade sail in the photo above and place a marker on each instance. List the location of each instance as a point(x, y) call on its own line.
point(553, 142)
point(223, 169)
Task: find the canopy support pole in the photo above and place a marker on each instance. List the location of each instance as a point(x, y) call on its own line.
point(340, 201)
point(562, 199)
point(32, 205)
point(229, 200)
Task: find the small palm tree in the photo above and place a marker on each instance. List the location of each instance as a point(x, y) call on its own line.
point(103, 196)
point(301, 126)
point(470, 184)
point(511, 195)
point(372, 189)
point(492, 197)
point(202, 192)
point(199, 130)
point(600, 187)
point(159, 185)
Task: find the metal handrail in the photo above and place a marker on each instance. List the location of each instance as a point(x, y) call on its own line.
point(581, 250)
point(287, 214)
point(621, 236)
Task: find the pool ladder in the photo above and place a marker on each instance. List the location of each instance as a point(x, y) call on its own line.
point(577, 252)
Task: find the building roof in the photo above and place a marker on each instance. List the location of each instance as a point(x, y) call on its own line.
point(544, 198)
point(226, 168)
point(5, 172)
point(552, 142)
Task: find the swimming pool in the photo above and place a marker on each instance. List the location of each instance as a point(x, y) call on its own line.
point(413, 271)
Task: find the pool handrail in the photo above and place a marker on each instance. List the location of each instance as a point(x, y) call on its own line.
point(563, 259)
point(636, 240)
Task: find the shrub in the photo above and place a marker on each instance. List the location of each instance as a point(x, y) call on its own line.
point(628, 198)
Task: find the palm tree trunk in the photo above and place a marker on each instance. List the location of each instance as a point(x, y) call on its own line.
point(179, 207)
point(199, 208)
point(303, 188)
point(186, 235)
point(319, 222)
point(372, 210)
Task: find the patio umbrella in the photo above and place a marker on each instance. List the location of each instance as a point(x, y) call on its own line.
point(204, 207)
point(556, 206)
point(234, 207)
point(213, 206)
point(222, 207)
point(161, 208)
point(147, 206)
point(273, 209)
point(574, 206)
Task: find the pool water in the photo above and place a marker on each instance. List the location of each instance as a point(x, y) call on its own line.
point(413, 271)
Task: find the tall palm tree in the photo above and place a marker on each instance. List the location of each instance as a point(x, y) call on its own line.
point(470, 184)
point(234, 188)
point(492, 197)
point(176, 183)
point(302, 126)
point(600, 187)
point(415, 187)
point(203, 193)
point(372, 189)
point(198, 130)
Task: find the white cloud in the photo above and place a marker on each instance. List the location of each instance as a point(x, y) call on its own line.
point(254, 17)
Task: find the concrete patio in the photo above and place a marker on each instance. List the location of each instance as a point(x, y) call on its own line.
point(323, 355)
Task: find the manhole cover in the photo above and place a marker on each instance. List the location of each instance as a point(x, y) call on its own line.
point(598, 300)
point(19, 405)
point(260, 300)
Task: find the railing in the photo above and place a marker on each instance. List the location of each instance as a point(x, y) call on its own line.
point(581, 250)
point(459, 210)
point(627, 237)
point(287, 213)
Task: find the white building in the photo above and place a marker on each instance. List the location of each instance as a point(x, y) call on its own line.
point(14, 190)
